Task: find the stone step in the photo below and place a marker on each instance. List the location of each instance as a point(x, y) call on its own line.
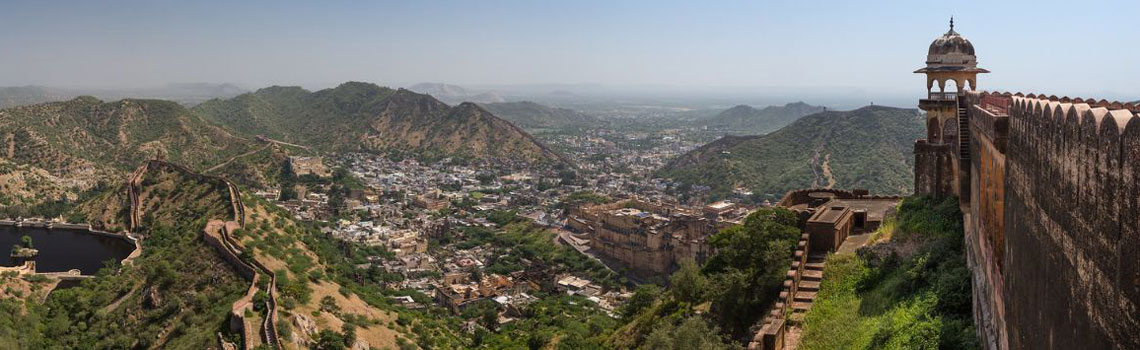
point(812, 275)
point(801, 306)
point(797, 318)
point(809, 286)
point(805, 296)
point(814, 266)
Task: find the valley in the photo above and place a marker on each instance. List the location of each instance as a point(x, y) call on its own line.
point(358, 189)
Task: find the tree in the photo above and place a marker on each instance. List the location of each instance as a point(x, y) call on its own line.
point(485, 178)
point(688, 283)
point(748, 269)
point(642, 298)
point(288, 192)
point(349, 334)
point(490, 318)
point(26, 241)
point(693, 333)
point(329, 340)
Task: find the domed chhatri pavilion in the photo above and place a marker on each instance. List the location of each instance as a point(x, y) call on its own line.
point(950, 61)
point(951, 58)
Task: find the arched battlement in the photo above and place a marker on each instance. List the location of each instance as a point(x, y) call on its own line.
point(1073, 115)
point(1059, 113)
point(1112, 105)
point(1116, 120)
point(1094, 117)
point(1047, 114)
point(1071, 176)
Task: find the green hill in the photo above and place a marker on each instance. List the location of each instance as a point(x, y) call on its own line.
point(530, 115)
point(866, 148)
point(57, 149)
point(87, 133)
point(363, 117)
point(750, 120)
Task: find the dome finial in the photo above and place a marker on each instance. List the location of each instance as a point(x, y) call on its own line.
point(951, 22)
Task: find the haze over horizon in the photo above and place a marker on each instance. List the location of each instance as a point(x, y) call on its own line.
point(741, 47)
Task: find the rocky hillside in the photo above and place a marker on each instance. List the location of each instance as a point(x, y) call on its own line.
point(365, 117)
point(749, 120)
point(87, 133)
point(55, 150)
point(870, 148)
point(530, 115)
point(179, 293)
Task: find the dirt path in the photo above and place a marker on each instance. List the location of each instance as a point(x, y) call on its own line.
point(826, 166)
point(821, 176)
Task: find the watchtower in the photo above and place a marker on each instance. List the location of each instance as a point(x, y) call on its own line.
point(941, 160)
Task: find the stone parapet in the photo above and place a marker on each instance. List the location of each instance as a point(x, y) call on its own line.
point(770, 332)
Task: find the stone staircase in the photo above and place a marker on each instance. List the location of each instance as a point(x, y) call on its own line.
point(963, 133)
point(807, 289)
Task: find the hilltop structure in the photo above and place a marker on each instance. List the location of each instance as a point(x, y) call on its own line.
point(1050, 195)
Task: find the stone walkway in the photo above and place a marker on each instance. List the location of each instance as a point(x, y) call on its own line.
point(854, 242)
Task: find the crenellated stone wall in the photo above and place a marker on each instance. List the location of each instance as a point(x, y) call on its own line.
point(1072, 226)
point(1053, 232)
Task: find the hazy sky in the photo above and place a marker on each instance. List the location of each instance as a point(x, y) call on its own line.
point(1055, 47)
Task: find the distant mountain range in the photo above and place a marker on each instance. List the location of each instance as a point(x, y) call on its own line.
point(455, 94)
point(56, 148)
point(187, 94)
point(530, 115)
point(744, 119)
point(28, 95)
point(866, 148)
point(365, 117)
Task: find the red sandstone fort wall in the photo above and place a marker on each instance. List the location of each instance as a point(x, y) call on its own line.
point(932, 167)
point(985, 220)
point(1066, 247)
